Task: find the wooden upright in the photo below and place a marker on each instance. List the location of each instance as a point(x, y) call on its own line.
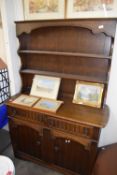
point(73, 50)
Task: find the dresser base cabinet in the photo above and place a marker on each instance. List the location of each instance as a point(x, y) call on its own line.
point(64, 145)
point(73, 50)
point(51, 146)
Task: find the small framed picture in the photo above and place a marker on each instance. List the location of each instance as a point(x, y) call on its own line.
point(48, 105)
point(45, 86)
point(87, 93)
point(44, 9)
point(91, 8)
point(25, 100)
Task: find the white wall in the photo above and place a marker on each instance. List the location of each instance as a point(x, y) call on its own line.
point(2, 45)
point(18, 9)
point(109, 133)
point(9, 14)
point(14, 11)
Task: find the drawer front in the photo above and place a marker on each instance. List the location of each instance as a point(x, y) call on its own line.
point(55, 123)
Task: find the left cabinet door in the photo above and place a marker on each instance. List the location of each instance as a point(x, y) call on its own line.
point(26, 138)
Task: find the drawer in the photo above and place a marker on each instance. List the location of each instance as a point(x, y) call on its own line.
point(55, 123)
point(70, 127)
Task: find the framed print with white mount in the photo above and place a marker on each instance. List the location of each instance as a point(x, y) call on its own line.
point(44, 9)
point(88, 93)
point(48, 105)
point(91, 9)
point(25, 100)
point(45, 86)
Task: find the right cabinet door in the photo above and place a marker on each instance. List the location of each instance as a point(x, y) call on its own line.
point(71, 155)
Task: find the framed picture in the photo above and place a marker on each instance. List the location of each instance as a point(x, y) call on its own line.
point(45, 86)
point(48, 105)
point(44, 9)
point(25, 100)
point(91, 8)
point(87, 93)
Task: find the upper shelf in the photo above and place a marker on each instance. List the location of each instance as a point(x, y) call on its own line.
point(64, 53)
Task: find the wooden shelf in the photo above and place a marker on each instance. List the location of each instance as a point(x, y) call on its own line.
point(64, 75)
point(65, 54)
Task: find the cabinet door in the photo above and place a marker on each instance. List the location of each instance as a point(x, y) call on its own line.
point(25, 138)
point(71, 155)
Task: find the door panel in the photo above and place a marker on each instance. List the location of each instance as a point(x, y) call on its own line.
point(25, 139)
point(46, 145)
point(71, 155)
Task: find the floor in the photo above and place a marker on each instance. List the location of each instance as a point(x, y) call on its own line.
point(21, 167)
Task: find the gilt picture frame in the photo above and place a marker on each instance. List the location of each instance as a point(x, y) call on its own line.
point(91, 9)
point(88, 93)
point(45, 86)
point(44, 9)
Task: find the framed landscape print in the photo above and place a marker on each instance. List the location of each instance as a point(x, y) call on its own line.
point(48, 105)
point(44, 9)
point(91, 8)
point(45, 86)
point(87, 93)
point(25, 100)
